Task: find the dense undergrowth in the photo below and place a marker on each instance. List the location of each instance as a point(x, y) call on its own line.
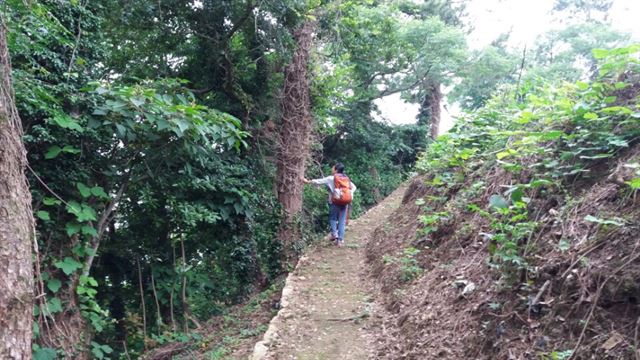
point(527, 240)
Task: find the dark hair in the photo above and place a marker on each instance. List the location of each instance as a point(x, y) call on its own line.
point(339, 168)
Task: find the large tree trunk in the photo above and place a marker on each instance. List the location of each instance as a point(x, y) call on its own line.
point(16, 224)
point(295, 136)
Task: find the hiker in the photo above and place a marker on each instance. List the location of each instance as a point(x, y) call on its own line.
point(341, 191)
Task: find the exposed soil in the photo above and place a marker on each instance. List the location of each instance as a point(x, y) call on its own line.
point(578, 300)
point(327, 306)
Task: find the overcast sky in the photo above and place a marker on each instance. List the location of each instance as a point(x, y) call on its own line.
point(525, 20)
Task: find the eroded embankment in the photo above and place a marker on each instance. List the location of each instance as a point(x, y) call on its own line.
point(579, 289)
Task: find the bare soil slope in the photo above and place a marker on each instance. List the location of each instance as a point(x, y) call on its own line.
point(579, 298)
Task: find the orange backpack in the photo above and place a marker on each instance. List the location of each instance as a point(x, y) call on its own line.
point(342, 190)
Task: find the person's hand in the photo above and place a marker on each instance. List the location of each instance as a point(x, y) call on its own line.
point(305, 180)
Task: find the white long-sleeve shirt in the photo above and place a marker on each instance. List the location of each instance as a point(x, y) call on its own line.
point(328, 181)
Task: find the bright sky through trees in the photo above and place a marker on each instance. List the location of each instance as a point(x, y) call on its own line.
point(524, 20)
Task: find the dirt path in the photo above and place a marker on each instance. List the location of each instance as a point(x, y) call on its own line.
point(326, 302)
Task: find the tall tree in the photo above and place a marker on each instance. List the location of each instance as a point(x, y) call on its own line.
point(566, 53)
point(484, 71)
point(16, 223)
point(295, 134)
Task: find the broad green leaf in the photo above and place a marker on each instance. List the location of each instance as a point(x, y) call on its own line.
point(620, 85)
point(68, 265)
point(43, 215)
point(54, 305)
point(82, 212)
point(74, 208)
point(634, 183)
point(88, 214)
point(88, 280)
point(600, 53)
point(73, 228)
point(54, 285)
point(517, 194)
point(162, 124)
point(551, 135)
point(53, 152)
point(44, 354)
point(85, 191)
point(540, 182)
point(582, 85)
point(67, 122)
point(182, 124)
point(137, 101)
point(51, 201)
point(89, 230)
point(70, 149)
point(122, 131)
point(498, 202)
point(99, 192)
point(503, 154)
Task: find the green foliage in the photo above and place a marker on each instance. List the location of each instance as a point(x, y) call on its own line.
point(408, 264)
point(557, 355)
point(510, 232)
point(100, 351)
point(432, 221)
point(556, 54)
point(40, 353)
point(486, 71)
point(562, 131)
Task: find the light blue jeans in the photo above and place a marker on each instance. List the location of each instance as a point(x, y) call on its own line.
point(338, 220)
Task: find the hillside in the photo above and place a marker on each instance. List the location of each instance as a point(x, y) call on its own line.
point(522, 240)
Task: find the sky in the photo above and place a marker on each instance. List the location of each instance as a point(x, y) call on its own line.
point(525, 20)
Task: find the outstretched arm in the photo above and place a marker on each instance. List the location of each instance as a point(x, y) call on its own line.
point(322, 181)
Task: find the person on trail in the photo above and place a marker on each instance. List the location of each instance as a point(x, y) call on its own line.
point(341, 191)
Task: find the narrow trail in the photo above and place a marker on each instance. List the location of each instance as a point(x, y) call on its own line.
point(327, 301)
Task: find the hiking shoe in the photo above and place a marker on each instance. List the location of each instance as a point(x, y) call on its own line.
point(340, 243)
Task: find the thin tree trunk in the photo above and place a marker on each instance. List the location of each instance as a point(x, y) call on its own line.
point(16, 223)
point(103, 223)
point(155, 297)
point(185, 305)
point(144, 309)
point(377, 197)
point(173, 284)
point(524, 59)
point(295, 137)
point(435, 98)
